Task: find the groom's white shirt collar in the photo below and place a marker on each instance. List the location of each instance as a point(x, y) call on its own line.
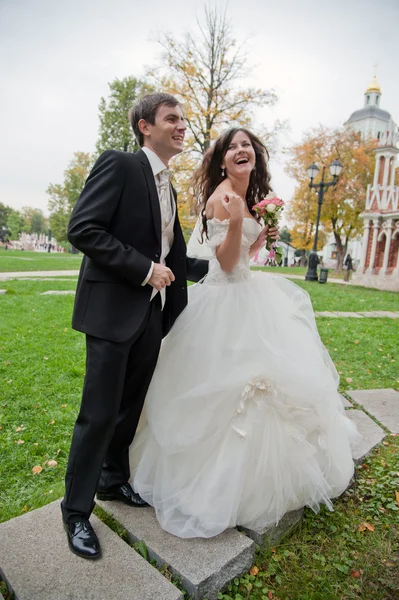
point(156, 163)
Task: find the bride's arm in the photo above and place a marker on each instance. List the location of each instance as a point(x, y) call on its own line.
point(228, 253)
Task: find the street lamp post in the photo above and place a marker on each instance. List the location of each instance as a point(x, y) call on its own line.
point(335, 170)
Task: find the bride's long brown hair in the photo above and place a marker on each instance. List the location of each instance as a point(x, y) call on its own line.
point(209, 175)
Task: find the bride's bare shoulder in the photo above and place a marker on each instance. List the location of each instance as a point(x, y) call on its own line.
point(214, 206)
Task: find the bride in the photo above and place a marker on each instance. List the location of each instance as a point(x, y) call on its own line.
point(244, 421)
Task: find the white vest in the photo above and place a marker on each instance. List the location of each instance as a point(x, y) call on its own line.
point(167, 241)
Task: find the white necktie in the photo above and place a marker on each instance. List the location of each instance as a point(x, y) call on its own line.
point(164, 197)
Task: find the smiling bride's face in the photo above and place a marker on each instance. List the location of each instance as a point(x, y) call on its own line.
point(240, 158)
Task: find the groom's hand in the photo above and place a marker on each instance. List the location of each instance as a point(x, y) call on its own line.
point(161, 277)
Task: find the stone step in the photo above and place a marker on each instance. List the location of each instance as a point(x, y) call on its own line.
point(204, 566)
point(382, 404)
point(372, 434)
point(37, 564)
point(272, 535)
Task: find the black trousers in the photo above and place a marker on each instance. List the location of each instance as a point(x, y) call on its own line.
point(115, 386)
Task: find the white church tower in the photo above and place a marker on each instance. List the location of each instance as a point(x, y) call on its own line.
point(379, 263)
point(371, 121)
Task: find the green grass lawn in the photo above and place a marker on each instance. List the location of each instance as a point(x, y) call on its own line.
point(333, 297)
point(24, 260)
point(328, 558)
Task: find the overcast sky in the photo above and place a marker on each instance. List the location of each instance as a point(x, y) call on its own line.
point(56, 59)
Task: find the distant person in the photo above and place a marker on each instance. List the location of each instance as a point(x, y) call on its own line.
point(348, 266)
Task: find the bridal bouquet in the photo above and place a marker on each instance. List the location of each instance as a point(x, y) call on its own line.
point(269, 210)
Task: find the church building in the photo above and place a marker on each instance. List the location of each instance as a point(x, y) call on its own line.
point(379, 260)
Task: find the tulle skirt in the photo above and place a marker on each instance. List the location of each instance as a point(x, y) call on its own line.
point(243, 419)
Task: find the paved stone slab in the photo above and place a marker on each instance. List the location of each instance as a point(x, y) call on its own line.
point(58, 293)
point(354, 315)
point(372, 434)
point(326, 313)
point(20, 274)
point(70, 279)
point(382, 404)
point(3, 291)
point(204, 566)
point(37, 564)
point(389, 314)
point(269, 536)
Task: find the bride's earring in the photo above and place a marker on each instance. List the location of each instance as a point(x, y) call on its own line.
point(222, 172)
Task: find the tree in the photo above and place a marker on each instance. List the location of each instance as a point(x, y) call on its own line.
point(5, 212)
point(15, 224)
point(205, 69)
point(34, 220)
point(285, 235)
point(115, 131)
point(343, 203)
point(63, 197)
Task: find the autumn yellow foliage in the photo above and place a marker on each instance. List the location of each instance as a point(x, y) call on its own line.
point(343, 203)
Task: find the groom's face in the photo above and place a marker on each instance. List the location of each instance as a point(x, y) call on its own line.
point(166, 136)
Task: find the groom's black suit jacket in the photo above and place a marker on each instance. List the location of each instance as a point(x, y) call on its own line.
point(116, 223)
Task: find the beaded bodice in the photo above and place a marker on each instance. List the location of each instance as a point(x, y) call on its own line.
point(217, 231)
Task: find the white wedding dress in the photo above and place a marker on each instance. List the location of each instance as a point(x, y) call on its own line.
point(243, 419)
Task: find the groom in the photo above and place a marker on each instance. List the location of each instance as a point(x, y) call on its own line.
point(131, 288)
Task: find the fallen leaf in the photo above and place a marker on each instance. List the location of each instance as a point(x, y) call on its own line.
point(397, 497)
point(9, 381)
point(20, 428)
point(19, 442)
point(365, 526)
point(35, 444)
point(58, 451)
point(270, 594)
point(65, 330)
point(355, 574)
point(25, 509)
point(7, 362)
point(45, 357)
point(64, 405)
point(356, 341)
point(35, 406)
point(52, 463)
point(52, 422)
point(254, 570)
point(349, 379)
point(386, 443)
point(37, 469)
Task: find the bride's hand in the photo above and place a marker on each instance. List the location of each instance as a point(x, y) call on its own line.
point(234, 205)
point(272, 232)
point(260, 242)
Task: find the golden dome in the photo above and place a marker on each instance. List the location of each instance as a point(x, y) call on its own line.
point(374, 86)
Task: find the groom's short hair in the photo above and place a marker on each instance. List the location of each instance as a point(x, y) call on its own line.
point(146, 108)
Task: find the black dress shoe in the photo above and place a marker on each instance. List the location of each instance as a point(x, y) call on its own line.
point(123, 493)
point(82, 540)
